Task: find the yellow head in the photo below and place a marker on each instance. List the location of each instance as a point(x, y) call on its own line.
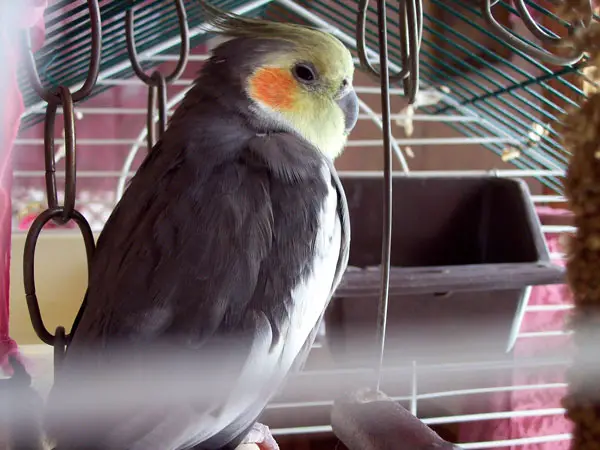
point(301, 78)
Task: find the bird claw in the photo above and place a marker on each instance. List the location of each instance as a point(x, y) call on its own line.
point(259, 436)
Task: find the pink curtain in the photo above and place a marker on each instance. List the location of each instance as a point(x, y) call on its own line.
point(14, 17)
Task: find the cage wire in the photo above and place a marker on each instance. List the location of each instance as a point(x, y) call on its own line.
point(481, 87)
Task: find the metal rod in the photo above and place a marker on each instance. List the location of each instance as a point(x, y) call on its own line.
point(439, 421)
point(538, 334)
point(414, 396)
point(173, 58)
point(387, 186)
point(548, 198)
point(545, 308)
point(511, 443)
point(558, 229)
point(430, 395)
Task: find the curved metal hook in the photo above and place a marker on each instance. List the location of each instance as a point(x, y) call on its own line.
point(159, 86)
point(386, 247)
point(411, 27)
point(51, 96)
point(361, 45)
point(29, 263)
point(537, 31)
point(532, 25)
point(183, 49)
point(410, 22)
point(515, 41)
point(65, 98)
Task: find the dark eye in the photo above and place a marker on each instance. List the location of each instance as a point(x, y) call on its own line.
point(304, 73)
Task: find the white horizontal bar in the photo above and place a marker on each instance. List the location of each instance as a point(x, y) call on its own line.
point(174, 57)
point(548, 198)
point(530, 362)
point(317, 429)
point(557, 255)
point(466, 446)
point(493, 416)
point(138, 82)
point(509, 173)
point(459, 392)
point(432, 421)
point(375, 90)
point(440, 394)
point(470, 445)
point(515, 442)
point(433, 118)
point(544, 308)
point(537, 334)
point(558, 229)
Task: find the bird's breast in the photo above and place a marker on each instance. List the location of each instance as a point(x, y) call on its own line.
point(311, 295)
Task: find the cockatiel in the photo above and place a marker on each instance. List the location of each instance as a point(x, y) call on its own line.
point(228, 243)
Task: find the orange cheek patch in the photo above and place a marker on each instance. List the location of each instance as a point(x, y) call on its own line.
point(273, 87)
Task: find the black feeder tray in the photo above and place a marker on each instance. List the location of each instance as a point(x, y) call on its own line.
point(464, 252)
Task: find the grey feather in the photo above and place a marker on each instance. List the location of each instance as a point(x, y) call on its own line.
point(214, 233)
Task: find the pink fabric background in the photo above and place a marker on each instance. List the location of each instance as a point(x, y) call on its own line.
point(516, 428)
point(17, 15)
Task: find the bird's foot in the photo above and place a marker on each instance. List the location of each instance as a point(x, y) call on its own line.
point(259, 438)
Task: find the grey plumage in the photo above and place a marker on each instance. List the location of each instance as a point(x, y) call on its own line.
point(216, 230)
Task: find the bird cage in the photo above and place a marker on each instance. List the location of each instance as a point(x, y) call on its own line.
point(454, 183)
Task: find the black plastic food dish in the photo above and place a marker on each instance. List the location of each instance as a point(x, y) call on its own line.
point(464, 252)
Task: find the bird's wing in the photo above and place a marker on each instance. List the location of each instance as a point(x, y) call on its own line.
point(344, 218)
point(178, 264)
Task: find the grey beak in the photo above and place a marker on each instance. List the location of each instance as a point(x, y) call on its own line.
point(349, 105)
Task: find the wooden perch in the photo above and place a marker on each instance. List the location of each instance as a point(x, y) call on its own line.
point(364, 420)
